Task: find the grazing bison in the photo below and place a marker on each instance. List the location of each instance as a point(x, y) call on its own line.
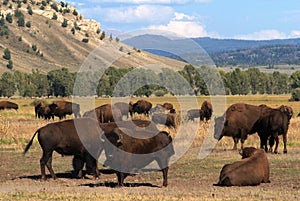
point(166, 119)
point(128, 151)
point(207, 110)
point(273, 122)
point(63, 108)
point(141, 107)
point(124, 108)
point(63, 138)
point(252, 170)
point(8, 105)
point(238, 121)
point(194, 113)
point(105, 113)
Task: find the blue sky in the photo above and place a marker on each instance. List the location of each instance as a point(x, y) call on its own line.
point(237, 19)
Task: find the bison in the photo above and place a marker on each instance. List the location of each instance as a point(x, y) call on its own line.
point(273, 122)
point(194, 113)
point(105, 113)
point(63, 137)
point(252, 170)
point(238, 121)
point(124, 108)
point(166, 119)
point(63, 108)
point(128, 151)
point(168, 106)
point(207, 111)
point(42, 110)
point(8, 105)
point(141, 107)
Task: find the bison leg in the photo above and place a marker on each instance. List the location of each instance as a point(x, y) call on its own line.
point(271, 143)
point(165, 176)
point(121, 176)
point(284, 143)
point(235, 141)
point(46, 160)
point(276, 143)
point(78, 164)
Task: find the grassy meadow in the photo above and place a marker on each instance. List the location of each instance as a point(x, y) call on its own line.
point(190, 177)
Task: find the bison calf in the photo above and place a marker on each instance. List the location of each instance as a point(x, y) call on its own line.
point(70, 137)
point(252, 170)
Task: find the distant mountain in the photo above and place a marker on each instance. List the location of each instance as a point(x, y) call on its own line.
point(230, 52)
point(220, 45)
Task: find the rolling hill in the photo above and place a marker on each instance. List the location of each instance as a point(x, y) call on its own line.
point(53, 35)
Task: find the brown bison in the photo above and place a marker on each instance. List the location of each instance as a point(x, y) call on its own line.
point(63, 108)
point(207, 111)
point(194, 113)
point(8, 105)
point(141, 107)
point(128, 151)
point(159, 108)
point(238, 121)
point(165, 119)
point(168, 106)
point(273, 122)
point(124, 108)
point(42, 110)
point(105, 113)
point(252, 170)
point(63, 137)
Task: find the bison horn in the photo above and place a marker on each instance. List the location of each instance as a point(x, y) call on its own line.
point(241, 152)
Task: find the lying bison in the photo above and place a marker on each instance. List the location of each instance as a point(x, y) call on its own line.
point(63, 138)
point(105, 113)
point(8, 105)
point(252, 170)
point(128, 151)
point(63, 108)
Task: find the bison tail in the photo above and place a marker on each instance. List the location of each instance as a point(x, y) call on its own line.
point(30, 143)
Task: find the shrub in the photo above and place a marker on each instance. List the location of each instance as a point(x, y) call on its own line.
point(10, 64)
point(34, 47)
point(295, 95)
point(6, 54)
point(9, 18)
point(21, 22)
point(85, 40)
point(28, 24)
point(54, 17)
point(65, 23)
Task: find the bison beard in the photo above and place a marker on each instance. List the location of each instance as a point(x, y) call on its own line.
point(252, 170)
point(63, 138)
point(127, 154)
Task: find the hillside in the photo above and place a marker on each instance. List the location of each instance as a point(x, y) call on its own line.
point(47, 45)
point(230, 52)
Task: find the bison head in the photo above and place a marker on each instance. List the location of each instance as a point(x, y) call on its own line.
point(218, 128)
point(247, 152)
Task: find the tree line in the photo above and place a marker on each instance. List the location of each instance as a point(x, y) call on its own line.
point(144, 82)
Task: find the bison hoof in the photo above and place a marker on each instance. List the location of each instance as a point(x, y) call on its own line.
point(285, 151)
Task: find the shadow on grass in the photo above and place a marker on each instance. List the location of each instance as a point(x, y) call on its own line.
point(65, 175)
point(115, 185)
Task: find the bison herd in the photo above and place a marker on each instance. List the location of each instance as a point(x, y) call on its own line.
point(130, 145)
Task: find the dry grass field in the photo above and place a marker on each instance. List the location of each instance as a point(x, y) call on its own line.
point(190, 177)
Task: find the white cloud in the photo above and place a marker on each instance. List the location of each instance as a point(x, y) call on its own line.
point(295, 34)
point(142, 13)
point(183, 28)
point(263, 35)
